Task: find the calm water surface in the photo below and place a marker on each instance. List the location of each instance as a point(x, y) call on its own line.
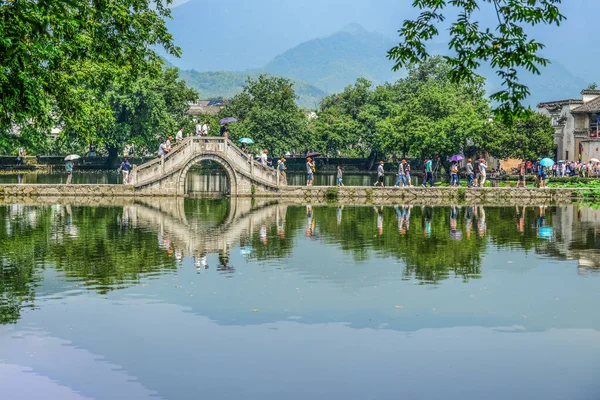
point(230, 299)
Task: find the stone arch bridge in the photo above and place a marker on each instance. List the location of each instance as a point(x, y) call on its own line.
point(166, 175)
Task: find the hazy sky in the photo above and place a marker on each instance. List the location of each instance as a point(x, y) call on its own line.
point(241, 34)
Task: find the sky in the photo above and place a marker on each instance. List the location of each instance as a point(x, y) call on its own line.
point(242, 34)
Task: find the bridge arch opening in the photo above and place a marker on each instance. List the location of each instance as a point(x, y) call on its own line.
point(207, 175)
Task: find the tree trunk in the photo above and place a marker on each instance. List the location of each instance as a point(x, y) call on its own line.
point(113, 157)
point(372, 159)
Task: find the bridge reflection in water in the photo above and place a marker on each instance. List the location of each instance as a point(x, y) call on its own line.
point(243, 219)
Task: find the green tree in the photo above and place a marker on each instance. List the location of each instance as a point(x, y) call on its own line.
point(44, 41)
point(505, 46)
point(267, 112)
point(527, 138)
point(138, 113)
point(424, 114)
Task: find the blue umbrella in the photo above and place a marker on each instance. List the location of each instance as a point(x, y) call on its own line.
point(227, 120)
point(546, 232)
point(246, 140)
point(547, 162)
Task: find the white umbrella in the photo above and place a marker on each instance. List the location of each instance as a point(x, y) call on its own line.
point(594, 160)
point(72, 157)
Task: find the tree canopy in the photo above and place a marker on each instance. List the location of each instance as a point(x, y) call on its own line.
point(506, 45)
point(424, 115)
point(45, 41)
point(137, 113)
point(267, 112)
point(421, 115)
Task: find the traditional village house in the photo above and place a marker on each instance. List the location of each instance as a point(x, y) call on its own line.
point(576, 126)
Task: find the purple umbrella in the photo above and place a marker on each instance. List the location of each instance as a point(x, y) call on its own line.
point(313, 154)
point(456, 157)
point(227, 120)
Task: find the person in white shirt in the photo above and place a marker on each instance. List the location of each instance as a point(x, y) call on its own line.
point(179, 135)
point(205, 129)
point(264, 158)
point(198, 128)
point(482, 172)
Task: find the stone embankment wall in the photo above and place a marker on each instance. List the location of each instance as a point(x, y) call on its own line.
point(320, 193)
point(434, 195)
point(35, 190)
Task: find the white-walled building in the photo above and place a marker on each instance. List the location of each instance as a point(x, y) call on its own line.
point(575, 123)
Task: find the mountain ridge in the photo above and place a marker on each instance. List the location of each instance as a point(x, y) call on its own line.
point(328, 64)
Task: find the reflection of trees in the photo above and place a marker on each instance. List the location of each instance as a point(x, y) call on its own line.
point(104, 248)
point(429, 250)
point(103, 253)
point(106, 253)
point(517, 227)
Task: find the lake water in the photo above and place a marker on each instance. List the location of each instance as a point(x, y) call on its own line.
point(230, 299)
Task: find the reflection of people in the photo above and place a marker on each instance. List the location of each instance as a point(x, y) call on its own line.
point(379, 219)
point(401, 216)
point(310, 223)
point(481, 227)
point(541, 221)
point(468, 220)
point(453, 218)
point(200, 262)
point(224, 263)
point(520, 219)
point(281, 226)
point(263, 234)
point(338, 214)
point(427, 215)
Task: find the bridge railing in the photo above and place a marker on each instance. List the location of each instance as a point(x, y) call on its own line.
point(246, 162)
point(158, 166)
point(186, 149)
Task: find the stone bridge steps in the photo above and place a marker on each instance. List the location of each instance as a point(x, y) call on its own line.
point(167, 174)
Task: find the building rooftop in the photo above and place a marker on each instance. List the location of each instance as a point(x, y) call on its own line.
point(590, 91)
point(592, 106)
point(560, 102)
point(210, 107)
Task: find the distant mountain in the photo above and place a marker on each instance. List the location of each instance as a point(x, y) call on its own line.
point(220, 84)
point(317, 67)
point(333, 62)
point(328, 64)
